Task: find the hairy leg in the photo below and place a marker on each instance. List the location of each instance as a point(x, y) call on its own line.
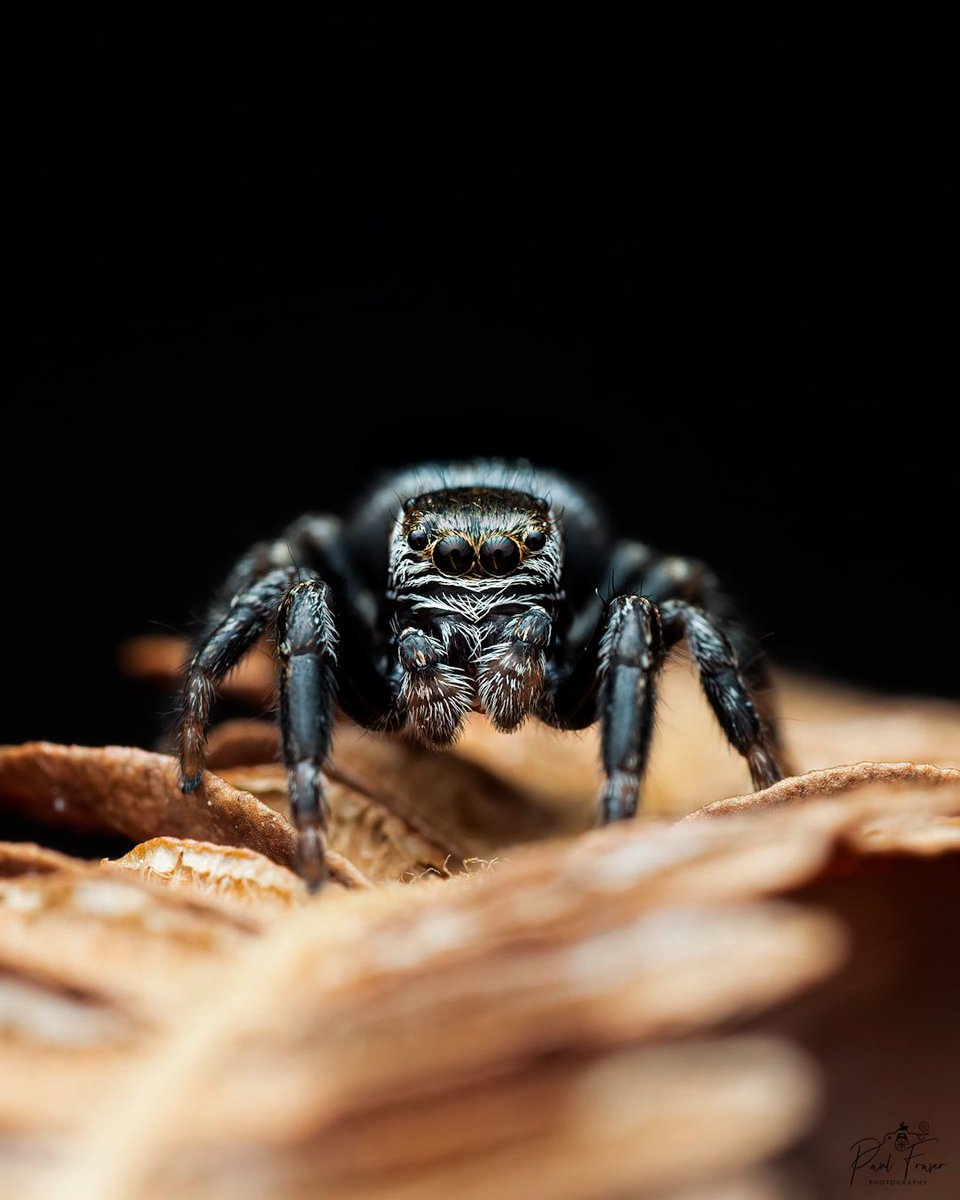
point(246, 609)
point(615, 681)
point(221, 648)
point(694, 583)
point(307, 649)
point(630, 657)
point(664, 578)
point(728, 689)
point(318, 538)
point(316, 664)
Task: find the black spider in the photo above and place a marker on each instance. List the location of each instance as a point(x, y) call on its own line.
point(464, 587)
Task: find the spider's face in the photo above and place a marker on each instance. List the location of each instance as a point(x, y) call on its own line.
point(477, 536)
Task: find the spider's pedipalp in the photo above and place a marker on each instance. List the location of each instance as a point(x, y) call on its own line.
point(510, 673)
point(435, 693)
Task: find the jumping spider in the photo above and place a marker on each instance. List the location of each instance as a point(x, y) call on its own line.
point(472, 586)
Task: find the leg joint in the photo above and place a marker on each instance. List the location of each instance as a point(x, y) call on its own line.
point(633, 636)
point(305, 622)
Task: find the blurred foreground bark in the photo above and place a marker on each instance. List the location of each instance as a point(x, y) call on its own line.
point(491, 999)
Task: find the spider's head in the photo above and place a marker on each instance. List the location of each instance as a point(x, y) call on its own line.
point(476, 533)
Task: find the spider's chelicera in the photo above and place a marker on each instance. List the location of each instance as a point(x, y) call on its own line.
point(473, 586)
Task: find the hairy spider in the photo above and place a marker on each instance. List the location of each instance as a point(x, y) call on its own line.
point(473, 586)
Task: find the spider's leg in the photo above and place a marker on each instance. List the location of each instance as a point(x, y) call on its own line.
point(224, 643)
point(312, 543)
point(365, 691)
point(307, 648)
point(321, 538)
point(635, 567)
point(246, 607)
point(689, 580)
point(669, 577)
point(615, 680)
point(622, 576)
point(630, 656)
point(727, 687)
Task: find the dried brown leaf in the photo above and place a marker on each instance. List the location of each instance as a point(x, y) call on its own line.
point(574, 1129)
point(243, 743)
point(916, 833)
point(228, 874)
point(27, 858)
point(493, 977)
point(381, 844)
point(832, 782)
point(554, 1023)
point(112, 936)
point(136, 793)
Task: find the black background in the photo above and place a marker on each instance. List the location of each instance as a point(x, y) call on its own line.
point(723, 317)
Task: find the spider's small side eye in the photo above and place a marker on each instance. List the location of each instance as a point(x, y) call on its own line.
point(536, 539)
point(417, 539)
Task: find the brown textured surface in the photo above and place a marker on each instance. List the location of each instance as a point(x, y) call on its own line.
point(120, 790)
point(380, 842)
point(520, 1005)
point(26, 858)
point(134, 793)
point(230, 874)
point(835, 781)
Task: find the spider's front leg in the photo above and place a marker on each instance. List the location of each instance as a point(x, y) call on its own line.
point(318, 659)
point(307, 643)
point(307, 649)
point(615, 680)
point(631, 654)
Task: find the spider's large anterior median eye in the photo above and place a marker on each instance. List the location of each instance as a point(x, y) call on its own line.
point(536, 539)
point(417, 539)
point(499, 555)
point(453, 555)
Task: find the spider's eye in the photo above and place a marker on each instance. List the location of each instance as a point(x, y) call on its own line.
point(499, 555)
point(417, 539)
point(536, 539)
point(453, 555)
